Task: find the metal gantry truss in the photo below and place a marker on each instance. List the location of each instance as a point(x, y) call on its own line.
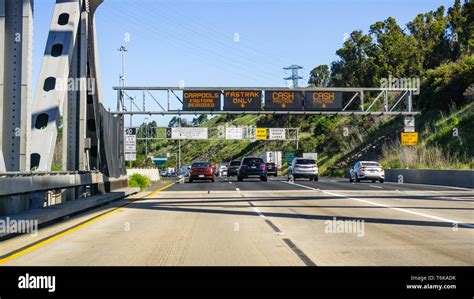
point(362, 101)
point(214, 133)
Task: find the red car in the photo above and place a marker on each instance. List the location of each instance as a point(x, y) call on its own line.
point(201, 171)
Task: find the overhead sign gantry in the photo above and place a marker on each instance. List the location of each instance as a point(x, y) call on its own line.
point(266, 100)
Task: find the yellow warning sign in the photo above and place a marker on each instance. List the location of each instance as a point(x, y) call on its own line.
point(261, 134)
point(409, 138)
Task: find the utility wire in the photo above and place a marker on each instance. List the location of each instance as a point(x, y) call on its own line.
point(210, 38)
point(186, 49)
point(185, 42)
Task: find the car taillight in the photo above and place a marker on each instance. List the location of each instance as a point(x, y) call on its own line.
point(263, 166)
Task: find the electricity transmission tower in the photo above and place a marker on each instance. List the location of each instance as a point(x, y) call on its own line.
point(294, 74)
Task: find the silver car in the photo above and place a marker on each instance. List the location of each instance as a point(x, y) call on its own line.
point(303, 168)
point(367, 170)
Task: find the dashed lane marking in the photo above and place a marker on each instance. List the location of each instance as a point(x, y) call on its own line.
point(378, 187)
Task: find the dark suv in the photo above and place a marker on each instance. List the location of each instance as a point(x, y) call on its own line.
point(252, 167)
point(233, 168)
point(272, 169)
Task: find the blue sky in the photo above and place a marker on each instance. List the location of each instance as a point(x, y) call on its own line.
point(194, 40)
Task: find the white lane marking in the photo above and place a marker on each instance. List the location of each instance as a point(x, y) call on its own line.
point(303, 186)
point(258, 212)
point(373, 186)
point(395, 208)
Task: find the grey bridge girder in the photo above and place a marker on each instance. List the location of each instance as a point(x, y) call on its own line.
point(16, 30)
point(51, 92)
point(77, 62)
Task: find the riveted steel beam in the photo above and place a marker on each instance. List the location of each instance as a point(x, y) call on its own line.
point(16, 26)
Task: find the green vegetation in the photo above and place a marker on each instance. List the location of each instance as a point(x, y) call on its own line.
point(140, 181)
point(435, 47)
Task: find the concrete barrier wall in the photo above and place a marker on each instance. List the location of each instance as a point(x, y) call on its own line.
point(152, 174)
point(454, 178)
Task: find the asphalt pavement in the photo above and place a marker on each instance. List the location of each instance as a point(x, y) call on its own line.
point(253, 223)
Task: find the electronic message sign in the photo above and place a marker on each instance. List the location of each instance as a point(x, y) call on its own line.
point(202, 100)
point(323, 100)
point(244, 100)
point(283, 100)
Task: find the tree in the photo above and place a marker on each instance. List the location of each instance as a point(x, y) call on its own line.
point(320, 76)
point(429, 32)
point(468, 25)
point(178, 122)
point(197, 121)
point(455, 32)
point(394, 52)
point(355, 67)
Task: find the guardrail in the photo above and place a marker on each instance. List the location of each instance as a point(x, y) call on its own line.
point(453, 178)
point(22, 191)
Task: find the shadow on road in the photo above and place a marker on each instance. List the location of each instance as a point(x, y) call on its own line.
point(162, 207)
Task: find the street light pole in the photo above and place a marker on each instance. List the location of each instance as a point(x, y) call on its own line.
point(146, 137)
point(123, 49)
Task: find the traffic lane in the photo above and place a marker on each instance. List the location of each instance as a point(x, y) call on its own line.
point(150, 233)
point(445, 203)
point(328, 183)
point(218, 185)
point(444, 213)
point(231, 184)
point(324, 208)
point(22, 241)
point(324, 183)
point(452, 204)
point(388, 237)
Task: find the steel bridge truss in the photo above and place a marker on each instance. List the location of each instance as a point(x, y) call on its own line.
point(68, 97)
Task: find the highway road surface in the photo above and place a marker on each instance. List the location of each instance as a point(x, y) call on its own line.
point(275, 223)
